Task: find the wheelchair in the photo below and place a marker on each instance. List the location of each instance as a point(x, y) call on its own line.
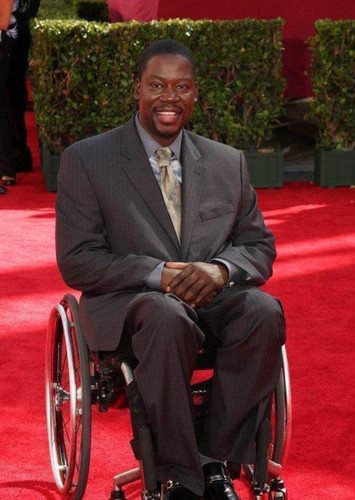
point(77, 378)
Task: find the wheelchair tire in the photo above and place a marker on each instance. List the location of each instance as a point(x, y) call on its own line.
point(280, 425)
point(68, 400)
point(281, 417)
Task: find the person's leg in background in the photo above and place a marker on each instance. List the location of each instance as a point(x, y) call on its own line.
point(7, 168)
point(16, 103)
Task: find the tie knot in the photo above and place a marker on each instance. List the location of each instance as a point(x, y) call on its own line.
point(164, 155)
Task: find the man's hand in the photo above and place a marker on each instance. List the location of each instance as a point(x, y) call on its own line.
point(167, 277)
point(196, 283)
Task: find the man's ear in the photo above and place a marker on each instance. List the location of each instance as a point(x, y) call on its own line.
point(196, 96)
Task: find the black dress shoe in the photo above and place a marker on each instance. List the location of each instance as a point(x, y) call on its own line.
point(218, 484)
point(176, 491)
point(8, 182)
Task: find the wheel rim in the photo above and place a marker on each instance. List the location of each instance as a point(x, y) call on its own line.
point(288, 405)
point(281, 420)
point(63, 400)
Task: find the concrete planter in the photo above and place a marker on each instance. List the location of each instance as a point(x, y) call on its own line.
point(265, 169)
point(334, 168)
point(50, 167)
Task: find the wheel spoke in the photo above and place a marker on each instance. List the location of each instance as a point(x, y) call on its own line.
point(67, 432)
point(67, 422)
point(64, 362)
point(61, 452)
point(77, 373)
point(78, 423)
point(57, 362)
point(64, 382)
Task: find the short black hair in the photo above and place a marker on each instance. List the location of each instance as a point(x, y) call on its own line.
point(166, 46)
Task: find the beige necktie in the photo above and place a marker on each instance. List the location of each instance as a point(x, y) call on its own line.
point(170, 187)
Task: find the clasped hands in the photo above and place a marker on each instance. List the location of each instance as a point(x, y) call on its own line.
point(196, 283)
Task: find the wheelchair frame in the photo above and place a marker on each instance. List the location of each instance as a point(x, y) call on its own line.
point(75, 380)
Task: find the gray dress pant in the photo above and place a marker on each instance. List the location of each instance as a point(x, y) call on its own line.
point(166, 337)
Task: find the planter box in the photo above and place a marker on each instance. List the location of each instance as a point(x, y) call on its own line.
point(50, 163)
point(334, 168)
point(265, 169)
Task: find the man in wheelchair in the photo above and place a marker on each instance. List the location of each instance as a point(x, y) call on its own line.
point(160, 230)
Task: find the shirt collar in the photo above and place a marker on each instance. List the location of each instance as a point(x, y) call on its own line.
point(150, 145)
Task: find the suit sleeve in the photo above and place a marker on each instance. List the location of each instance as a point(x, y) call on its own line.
point(84, 256)
point(251, 245)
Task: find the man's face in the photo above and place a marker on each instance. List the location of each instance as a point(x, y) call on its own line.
point(166, 93)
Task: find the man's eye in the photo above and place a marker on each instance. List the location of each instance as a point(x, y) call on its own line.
point(156, 85)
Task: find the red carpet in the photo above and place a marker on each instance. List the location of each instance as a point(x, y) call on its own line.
point(314, 277)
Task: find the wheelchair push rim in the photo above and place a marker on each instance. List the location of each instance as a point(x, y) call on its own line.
point(68, 401)
point(282, 415)
point(281, 421)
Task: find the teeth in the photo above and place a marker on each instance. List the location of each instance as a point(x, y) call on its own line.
point(166, 113)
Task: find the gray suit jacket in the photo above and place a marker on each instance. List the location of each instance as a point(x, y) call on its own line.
point(113, 228)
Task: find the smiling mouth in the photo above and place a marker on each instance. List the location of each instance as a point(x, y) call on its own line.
point(175, 111)
point(168, 117)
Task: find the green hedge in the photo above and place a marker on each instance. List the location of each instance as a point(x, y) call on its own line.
point(82, 75)
point(333, 79)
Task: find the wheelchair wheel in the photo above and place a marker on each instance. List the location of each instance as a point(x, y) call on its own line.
point(280, 432)
point(68, 400)
point(281, 418)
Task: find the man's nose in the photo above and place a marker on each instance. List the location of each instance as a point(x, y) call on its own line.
point(169, 95)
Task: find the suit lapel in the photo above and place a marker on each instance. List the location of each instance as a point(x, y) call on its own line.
point(193, 173)
point(137, 167)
